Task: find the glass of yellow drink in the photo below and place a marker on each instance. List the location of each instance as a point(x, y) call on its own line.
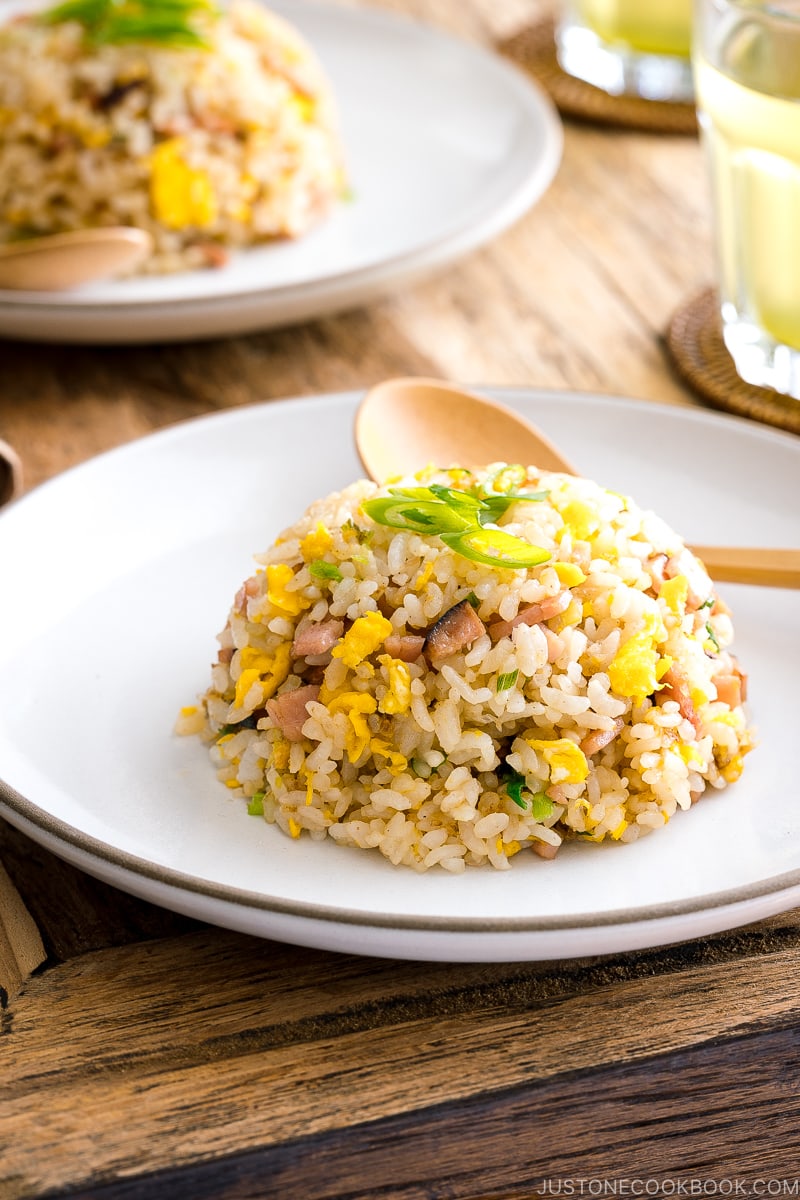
point(747, 79)
point(635, 47)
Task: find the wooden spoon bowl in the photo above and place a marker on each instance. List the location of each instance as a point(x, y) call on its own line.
point(67, 260)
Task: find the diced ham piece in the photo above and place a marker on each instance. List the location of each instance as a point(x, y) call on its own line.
point(737, 670)
point(729, 689)
point(248, 589)
point(407, 647)
point(600, 738)
point(545, 849)
point(290, 713)
point(535, 614)
point(214, 255)
point(317, 638)
point(730, 682)
point(459, 627)
point(676, 687)
point(555, 646)
point(655, 567)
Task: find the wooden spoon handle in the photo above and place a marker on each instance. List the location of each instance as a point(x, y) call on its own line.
point(742, 564)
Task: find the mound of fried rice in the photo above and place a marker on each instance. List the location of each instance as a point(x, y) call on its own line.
point(590, 697)
point(207, 148)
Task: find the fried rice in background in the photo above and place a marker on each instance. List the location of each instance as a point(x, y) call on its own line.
point(375, 686)
point(208, 148)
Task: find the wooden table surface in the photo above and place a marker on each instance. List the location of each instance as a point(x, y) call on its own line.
point(143, 1054)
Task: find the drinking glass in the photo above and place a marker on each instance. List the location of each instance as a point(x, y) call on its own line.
point(637, 47)
point(747, 81)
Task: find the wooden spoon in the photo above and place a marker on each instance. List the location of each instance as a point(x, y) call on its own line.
point(67, 260)
point(10, 474)
point(404, 424)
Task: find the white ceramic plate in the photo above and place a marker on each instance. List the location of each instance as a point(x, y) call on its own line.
point(446, 146)
point(118, 574)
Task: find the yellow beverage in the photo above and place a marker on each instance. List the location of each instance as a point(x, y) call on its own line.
point(646, 26)
point(753, 139)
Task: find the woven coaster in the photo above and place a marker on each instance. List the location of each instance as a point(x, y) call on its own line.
point(534, 49)
point(701, 358)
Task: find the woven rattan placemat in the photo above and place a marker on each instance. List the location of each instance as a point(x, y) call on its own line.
point(534, 49)
point(695, 345)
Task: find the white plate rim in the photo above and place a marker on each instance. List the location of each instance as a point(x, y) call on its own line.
point(101, 858)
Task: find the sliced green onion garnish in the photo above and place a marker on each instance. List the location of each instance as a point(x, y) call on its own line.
point(712, 636)
point(420, 516)
point(461, 520)
point(455, 498)
point(496, 506)
point(324, 570)
point(504, 682)
point(509, 478)
point(496, 548)
point(164, 22)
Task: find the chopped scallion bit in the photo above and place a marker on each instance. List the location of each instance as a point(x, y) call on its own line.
point(515, 785)
point(504, 682)
point(362, 536)
point(324, 570)
point(712, 636)
point(541, 806)
point(255, 806)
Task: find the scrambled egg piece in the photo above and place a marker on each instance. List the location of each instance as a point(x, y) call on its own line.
point(357, 706)
point(580, 519)
point(257, 667)
point(573, 615)
point(398, 699)
point(424, 577)
point(279, 576)
point(316, 544)
point(568, 573)
point(632, 671)
point(397, 761)
point(364, 636)
point(180, 195)
point(637, 666)
point(674, 593)
point(566, 761)
point(304, 106)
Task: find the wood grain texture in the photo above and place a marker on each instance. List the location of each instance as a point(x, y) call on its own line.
point(181, 1052)
point(21, 949)
point(664, 1122)
point(73, 912)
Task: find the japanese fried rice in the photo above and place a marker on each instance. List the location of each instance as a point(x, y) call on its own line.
point(590, 697)
point(206, 148)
